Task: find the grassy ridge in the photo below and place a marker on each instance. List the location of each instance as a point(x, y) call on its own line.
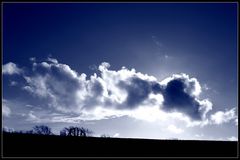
point(18, 145)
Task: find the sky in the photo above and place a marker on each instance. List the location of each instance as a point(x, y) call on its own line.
point(135, 70)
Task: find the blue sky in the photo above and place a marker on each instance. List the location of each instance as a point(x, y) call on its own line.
point(186, 50)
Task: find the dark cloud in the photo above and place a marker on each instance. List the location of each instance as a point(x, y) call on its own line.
point(177, 95)
point(97, 89)
point(156, 88)
point(137, 91)
point(175, 98)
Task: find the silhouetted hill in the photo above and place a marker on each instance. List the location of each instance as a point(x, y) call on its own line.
point(18, 145)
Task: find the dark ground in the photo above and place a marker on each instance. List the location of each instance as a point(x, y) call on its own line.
point(18, 145)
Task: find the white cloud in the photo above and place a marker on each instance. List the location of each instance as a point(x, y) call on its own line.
point(28, 88)
point(70, 92)
point(174, 129)
point(6, 111)
point(33, 118)
point(11, 68)
point(53, 60)
point(104, 66)
point(33, 59)
point(13, 83)
point(205, 106)
point(114, 93)
point(223, 117)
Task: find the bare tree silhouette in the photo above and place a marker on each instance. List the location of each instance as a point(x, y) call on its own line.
point(85, 132)
point(42, 130)
point(75, 131)
point(63, 132)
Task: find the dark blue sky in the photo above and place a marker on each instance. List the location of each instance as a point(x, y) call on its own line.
point(159, 39)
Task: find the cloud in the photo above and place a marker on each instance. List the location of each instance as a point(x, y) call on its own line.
point(53, 60)
point(11, 68)
point(116, 93)
point(137, 90)
point(13, 83)
point(181, 93)
point(31, 117)
point(93, 67)
point(6, 111)
point(174, 129)
point(68, 91)
point(56, 83)
point(221, 117)
point(33, 59)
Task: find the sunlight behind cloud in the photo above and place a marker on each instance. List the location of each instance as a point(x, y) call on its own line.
point(117, 93)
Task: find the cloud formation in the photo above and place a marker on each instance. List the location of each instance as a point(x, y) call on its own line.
point(13, 83)
point(174, 129)
point(11, 68)
point(181, 93)
point(115, 93)
point(224, 117)
point(6, 111)
point(32, 118)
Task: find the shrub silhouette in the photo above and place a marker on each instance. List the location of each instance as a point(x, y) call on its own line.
point(9, 130)
point(20, 132)
point(75, 131)
point(105, 136)
point(29, 132)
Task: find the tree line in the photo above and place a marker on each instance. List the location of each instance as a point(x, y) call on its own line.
point(45, 130)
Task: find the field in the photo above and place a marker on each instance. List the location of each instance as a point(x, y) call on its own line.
point(23, 145)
